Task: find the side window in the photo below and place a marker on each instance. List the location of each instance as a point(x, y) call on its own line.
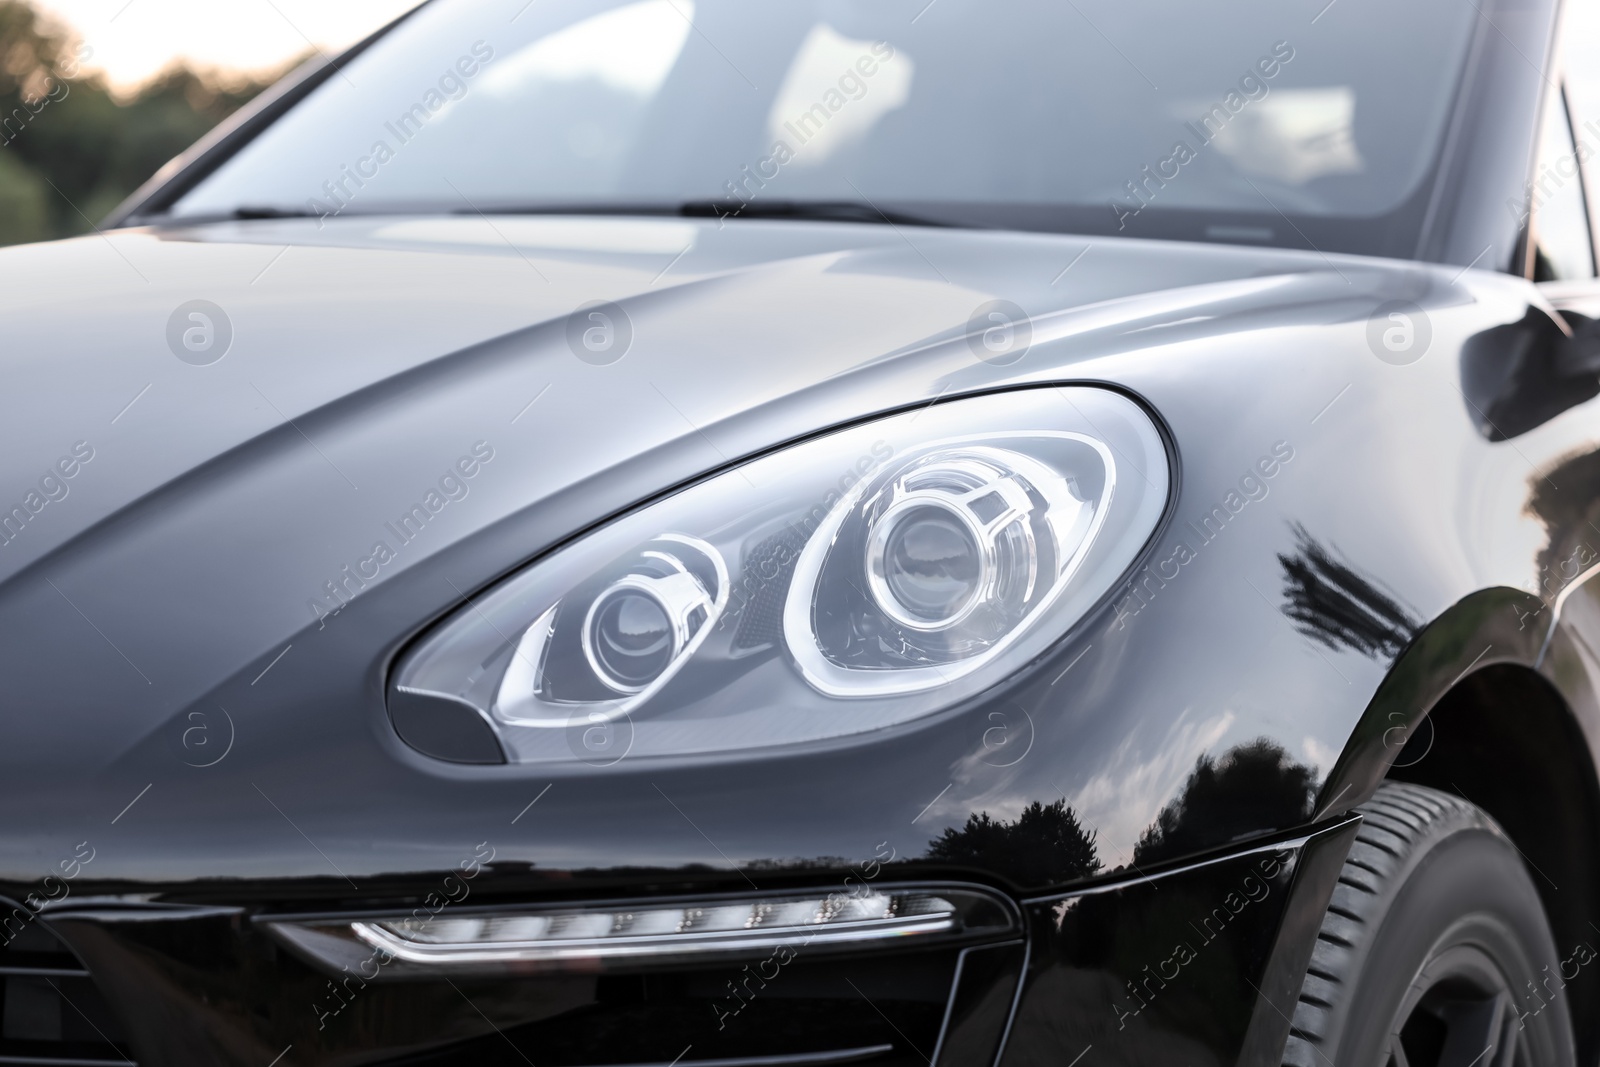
point(1559, 240)
point(1580, 60)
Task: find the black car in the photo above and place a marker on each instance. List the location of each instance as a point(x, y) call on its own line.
point(721, 534)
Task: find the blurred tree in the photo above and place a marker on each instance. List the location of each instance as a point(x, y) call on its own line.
point(1249, 789)
point(70, 150)
point(24, 203)
point(1045, 845)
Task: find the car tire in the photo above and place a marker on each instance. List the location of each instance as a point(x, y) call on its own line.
point(1430, 948)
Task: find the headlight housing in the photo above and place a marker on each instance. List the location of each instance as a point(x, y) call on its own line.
point(859, 580)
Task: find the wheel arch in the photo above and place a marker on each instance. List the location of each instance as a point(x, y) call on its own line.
point(1493, 704)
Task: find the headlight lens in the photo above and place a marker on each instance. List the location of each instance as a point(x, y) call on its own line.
point(962, 546)
point(849, 583)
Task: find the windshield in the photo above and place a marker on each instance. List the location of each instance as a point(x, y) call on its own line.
point(1249, 121)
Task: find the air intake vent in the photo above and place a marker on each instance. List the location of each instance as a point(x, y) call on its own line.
point(51, 1013)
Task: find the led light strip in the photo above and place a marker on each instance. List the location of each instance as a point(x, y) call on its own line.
point(666, 930)
point(633, 934)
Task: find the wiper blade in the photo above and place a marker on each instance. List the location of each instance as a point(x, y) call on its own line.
point(262, 211)
point(599, 208)
point(814, 210)
point(201, 218)
point(818, 210)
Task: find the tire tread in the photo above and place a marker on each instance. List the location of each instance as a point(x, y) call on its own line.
point(1394, 822)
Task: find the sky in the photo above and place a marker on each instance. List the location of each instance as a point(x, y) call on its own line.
point(133, 39)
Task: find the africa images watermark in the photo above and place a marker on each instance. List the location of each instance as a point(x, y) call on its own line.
point(42, 91)
point(1553, 177)
point(1253, 87)
point(1553, 580)
point(740, 995)
point(453, 84)
point(340, 995)
point(1253, 487)
point(52, 488)
point(453, 485)
point(770, 567)
point(19, 919)
point(1253, 889)
point(1566, 971)
point(852, 85)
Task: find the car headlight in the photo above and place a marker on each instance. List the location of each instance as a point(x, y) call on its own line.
point(845, 584)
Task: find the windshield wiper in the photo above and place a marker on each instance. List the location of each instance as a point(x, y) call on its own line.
point(818, 210)
point(243, 213)
point(261, 211)
point(201, 218)
point(812, 210)
point(565, 208)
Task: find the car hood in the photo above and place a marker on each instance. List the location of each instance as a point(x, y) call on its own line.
point(723, 320)
point(211, 506)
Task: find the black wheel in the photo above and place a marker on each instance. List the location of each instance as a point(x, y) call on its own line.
point(1428, 947)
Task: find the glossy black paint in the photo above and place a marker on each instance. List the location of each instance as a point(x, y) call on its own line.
point(175, 709)
point(1198, 965)
point(208, 986)
point(315, 727)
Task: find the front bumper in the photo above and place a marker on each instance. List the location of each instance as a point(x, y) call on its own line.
point(1196, 963)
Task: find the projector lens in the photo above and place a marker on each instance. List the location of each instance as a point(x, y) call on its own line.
point(631, 638)
point(932, 567)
